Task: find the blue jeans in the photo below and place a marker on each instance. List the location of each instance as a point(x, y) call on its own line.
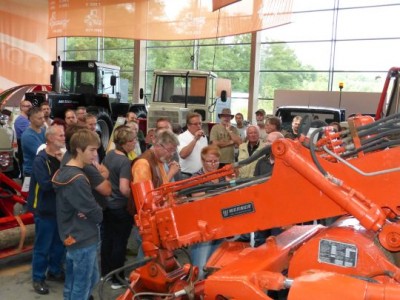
point(138, 239)
point(48, 250)
point(82, 272)
point(200, 253)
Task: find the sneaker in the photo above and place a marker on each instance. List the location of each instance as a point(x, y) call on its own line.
point(116, 285)
point(52, 277)
point(40, 287)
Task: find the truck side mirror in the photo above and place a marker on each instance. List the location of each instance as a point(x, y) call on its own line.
point(141, 93)
point(223, 96)
point(113, 80)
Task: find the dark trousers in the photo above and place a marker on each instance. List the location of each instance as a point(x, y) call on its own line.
point(117, 226)
point(20, 157)
point(48, 250)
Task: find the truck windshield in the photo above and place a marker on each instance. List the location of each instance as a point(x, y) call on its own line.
point(79, 81)
point(172, 89)
point(326, 116)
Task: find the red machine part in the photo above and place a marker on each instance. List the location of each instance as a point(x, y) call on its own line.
point(16, 231)
point(296, 192)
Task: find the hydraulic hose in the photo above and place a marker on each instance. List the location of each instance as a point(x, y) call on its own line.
point(376, 123)
point(375, 146)
point(374, 130)
point(132, 266)
point(256, 155)
point(214, 186)
point(312, 151)
point(380, 135)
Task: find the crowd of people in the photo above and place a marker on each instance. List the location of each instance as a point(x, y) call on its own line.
point(80, 192)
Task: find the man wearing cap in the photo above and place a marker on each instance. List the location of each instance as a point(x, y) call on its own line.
point(260, 119)
point(226, 137)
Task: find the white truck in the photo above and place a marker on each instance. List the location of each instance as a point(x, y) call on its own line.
point(352, 102)
point(177, 92)
point(323, 105)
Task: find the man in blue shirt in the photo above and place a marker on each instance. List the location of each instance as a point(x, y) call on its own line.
point(21, 123)
point(32, 138)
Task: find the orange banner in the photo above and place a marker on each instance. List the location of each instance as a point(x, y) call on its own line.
point(217, 4)
point(25, 51)
point(163, 19)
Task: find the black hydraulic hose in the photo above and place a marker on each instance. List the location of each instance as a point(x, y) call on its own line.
point(132, 266)
point(214, 186)
point(374, 130)
point(374, 142)
point(380, 135)
point(375, 146)
point(183, 250)
point(256, 155)
point(312, 151)
point(382, 146)
point(376, 123)
point(202, 188)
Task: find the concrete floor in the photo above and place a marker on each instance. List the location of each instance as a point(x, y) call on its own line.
point(16, 282)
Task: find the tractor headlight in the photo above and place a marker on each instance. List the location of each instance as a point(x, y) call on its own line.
point(5, 160)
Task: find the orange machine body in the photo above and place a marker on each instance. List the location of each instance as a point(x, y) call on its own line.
point(359, 250)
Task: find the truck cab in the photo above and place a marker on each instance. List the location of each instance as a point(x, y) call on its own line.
point(177, 92)
point(325, 114)
point(84, 83)
point(88, 83)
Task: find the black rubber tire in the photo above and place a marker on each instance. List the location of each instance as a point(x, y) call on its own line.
point(104, 124)
point(139, 109)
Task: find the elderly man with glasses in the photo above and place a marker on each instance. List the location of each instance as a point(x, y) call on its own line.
point(157, 164)
point(191, 142)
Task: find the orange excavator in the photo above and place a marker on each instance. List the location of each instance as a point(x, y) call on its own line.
point(350, 175)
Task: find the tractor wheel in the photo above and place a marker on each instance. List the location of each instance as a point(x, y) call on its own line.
point(104, 125)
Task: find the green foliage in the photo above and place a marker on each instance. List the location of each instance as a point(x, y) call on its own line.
point(229, 57)
point(276, 60)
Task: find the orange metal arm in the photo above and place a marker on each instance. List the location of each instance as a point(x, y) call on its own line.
point(305, 195)
point(304, 186)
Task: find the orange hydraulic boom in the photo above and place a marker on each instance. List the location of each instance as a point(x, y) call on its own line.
point(353, 174)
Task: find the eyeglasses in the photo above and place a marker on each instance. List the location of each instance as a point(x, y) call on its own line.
point(196, 124)
point(211, 162)
point(172, 152)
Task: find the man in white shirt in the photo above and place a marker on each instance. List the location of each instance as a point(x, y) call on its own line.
point(191, 142)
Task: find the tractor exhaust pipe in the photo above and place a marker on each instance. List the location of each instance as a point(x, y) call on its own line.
point(57, 76)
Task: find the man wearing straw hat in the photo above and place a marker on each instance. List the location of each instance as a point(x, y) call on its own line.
point(226, 137)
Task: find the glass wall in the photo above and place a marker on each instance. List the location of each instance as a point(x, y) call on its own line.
point(327, 42)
